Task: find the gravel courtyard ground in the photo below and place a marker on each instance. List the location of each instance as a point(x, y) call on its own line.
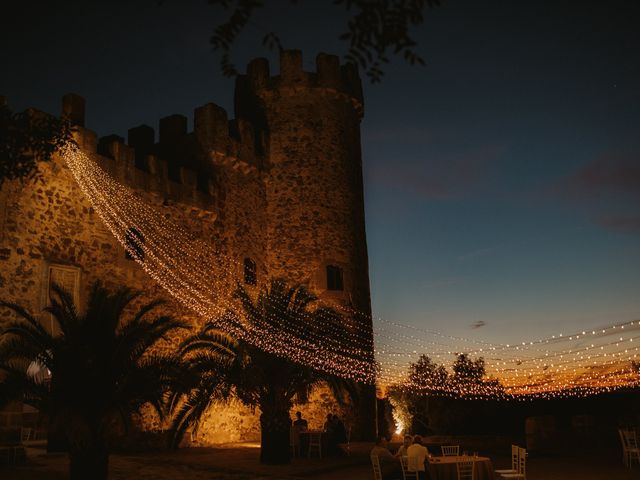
point(240, 462)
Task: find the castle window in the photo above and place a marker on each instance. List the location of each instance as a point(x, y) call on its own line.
point(66, 277)
point(335, 280)
point(250, 275)
point(134, 240)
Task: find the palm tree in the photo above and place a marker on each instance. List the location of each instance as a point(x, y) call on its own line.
point(102, 369)
point(258, 378)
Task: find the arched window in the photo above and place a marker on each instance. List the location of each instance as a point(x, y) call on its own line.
point(335, 280)
point(134, 240)
point(250, 272)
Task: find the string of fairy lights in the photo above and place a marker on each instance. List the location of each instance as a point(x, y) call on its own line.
point(204, 279)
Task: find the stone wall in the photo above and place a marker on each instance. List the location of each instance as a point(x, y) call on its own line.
point(234, 422)
point(281, 185)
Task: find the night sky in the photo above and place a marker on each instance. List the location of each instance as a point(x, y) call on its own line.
point(502, 180)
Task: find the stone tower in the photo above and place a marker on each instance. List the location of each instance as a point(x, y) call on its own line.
point(315, 225)
point(313, 177)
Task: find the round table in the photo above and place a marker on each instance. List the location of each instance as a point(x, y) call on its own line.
point(444, 468)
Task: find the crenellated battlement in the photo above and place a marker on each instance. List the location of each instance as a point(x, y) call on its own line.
point(119, 160)
point(181, 165)
point(191, 159)
point(232, 143)
point(186, 166)
point(330, 79)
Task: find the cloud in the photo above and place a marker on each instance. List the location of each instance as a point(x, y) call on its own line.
point(611, 173)
point(438, 177)
point(608, 189)
point(623, 224)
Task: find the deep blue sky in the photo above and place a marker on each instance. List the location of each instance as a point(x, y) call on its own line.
point(502, 179)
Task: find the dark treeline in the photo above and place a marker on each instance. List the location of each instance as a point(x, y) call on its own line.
point(441, 407)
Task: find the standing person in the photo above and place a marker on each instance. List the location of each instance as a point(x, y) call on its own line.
point(338, 430)
point(388, 463)
point(328, 424)
point(402, 451)
point(300, 422)
point(417, 455)
point(339, 435)
point(330, 432)
point(299, 425)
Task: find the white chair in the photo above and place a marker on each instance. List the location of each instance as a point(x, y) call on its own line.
point(515, 459)
point(377, 471)
point(466, 470)
point(315, 444)
point(25, 434)
point(623, 441)
point(630, 448)
point(450, 450)
point(522, 467)
point(406, 474)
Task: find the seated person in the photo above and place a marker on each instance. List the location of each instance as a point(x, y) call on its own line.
point(417, 455)
point(388, 463)
point(402, 451)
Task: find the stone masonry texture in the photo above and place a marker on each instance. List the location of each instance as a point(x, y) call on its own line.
point(280, 184)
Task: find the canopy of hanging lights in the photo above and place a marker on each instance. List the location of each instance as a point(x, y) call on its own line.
point(202, 279)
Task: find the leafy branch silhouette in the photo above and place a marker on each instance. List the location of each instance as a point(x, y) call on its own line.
point(376, 30)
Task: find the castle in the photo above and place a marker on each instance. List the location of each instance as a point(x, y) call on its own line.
point(279, 189)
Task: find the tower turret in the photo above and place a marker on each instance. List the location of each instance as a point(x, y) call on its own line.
point(313, 174)
point(315, 206)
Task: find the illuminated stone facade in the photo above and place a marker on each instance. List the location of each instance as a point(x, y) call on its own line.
point(279, 186)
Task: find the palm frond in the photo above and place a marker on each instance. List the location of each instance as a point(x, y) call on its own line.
point(344, 391)
point(300, 301)
point(191, 410)
point(250, 310)
point(148, 382)
point(63, 309)
point(131, 344)
point(17, 385)
point(109, 307)
point(146, 309)
point(210, 338)
point(101, 366)
point(21, 347)
point(26, 326)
